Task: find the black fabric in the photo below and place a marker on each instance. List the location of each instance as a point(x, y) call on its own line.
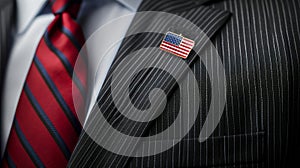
point(258, 43)
point(6, 21)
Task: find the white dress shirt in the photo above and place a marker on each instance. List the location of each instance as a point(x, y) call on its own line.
point(29, 30)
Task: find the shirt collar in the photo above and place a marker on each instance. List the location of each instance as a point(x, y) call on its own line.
point(131, 4)
point(26, 13)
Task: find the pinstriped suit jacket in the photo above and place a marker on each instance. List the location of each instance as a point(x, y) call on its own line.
point(258, 42)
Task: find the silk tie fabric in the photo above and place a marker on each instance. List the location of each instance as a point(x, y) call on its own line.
point(46, 127)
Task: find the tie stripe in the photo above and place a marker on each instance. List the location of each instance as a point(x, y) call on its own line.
point(57, 80)
point(46, 126)
point(9, 161)
point(71, 37)
point(47, 122)
point(67, 64)
point(72, 26)
point(60, 6)
point(18, 148)
point(59, 54)
point(59, 119)
point(36, 160)
point(46, 139)
point(69, 67)
point(72, 117)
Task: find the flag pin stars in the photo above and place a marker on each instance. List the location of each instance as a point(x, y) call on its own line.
point(177, 45)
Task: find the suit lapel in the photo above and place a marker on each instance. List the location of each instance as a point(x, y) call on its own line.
point(207, 19)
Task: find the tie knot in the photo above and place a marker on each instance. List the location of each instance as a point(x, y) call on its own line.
point(65, 6)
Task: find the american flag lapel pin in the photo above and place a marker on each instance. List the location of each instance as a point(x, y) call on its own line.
point(177, 45)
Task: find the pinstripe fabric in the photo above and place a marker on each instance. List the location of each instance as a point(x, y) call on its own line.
point(259, 47)
point(6, 9)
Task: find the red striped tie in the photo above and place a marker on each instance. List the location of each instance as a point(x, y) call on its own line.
point(46, 128)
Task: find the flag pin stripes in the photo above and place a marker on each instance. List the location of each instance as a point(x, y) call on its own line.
point(177, 44)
